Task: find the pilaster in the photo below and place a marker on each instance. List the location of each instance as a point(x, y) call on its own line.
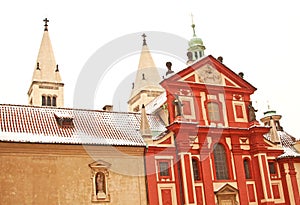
point(294, 182)
point(206, 171)
point(240, 175)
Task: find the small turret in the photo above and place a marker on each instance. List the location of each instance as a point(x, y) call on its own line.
point(145, 127)
point(196, 47)
point(273, 120)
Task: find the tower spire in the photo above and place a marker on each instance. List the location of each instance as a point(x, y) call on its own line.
point(146, 85)
point(46, 87)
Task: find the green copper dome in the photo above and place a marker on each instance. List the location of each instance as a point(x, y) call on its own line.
point(195, 41)
point(196, 47)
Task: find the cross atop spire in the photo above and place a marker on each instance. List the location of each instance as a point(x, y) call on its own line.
point(193, 25)
point(144, 39)
point(46, 24)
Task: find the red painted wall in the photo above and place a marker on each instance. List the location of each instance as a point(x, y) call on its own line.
point(235, 150)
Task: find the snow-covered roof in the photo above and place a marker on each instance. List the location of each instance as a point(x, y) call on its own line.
point(63, 115)
point(156, 103)
point(287, 141)
point(39, 125)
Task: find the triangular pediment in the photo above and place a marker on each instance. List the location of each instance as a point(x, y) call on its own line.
point(210, 71)
point(227, 189)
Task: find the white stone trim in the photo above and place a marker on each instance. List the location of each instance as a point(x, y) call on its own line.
point(281, 193)
point(263, 178)
point(222, 100)
point(192, 106)
point(170, 159)
point(172, 187)
point(244, 119)
point(254, 190)
point(203, 99)
point(185, 185)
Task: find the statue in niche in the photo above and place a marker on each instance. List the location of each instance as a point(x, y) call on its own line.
point(252, 111)
point(178, 106)
point(100, 185)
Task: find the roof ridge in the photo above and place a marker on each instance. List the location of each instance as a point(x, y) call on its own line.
point(19, 123)
point(65, 108)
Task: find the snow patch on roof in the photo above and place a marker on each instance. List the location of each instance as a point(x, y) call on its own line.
point(156, 103)
point(287, 142)
point(63, 115)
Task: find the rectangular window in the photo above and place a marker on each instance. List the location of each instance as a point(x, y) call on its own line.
point(213, 112)
point(164, 169)
point(272, 168)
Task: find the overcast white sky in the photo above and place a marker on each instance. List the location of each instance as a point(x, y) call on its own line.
point(260, 38)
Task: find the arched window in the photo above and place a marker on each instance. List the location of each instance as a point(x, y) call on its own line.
point(43, 100)
point(247, 168)
point(220, 162)
point(54, 101)
point(48, 101)
point(196, 171)
point(213, 111)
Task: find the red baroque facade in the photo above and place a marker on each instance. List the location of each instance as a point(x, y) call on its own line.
point(200, 143)
point(214, 150)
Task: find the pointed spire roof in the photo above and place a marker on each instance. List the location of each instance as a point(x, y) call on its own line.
point(147, 76)
point(145, 127)
point(46, 68)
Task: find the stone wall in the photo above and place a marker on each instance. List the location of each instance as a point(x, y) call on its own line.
point(60, 174)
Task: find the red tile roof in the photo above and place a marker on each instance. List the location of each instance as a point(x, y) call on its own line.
point(39, 124)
